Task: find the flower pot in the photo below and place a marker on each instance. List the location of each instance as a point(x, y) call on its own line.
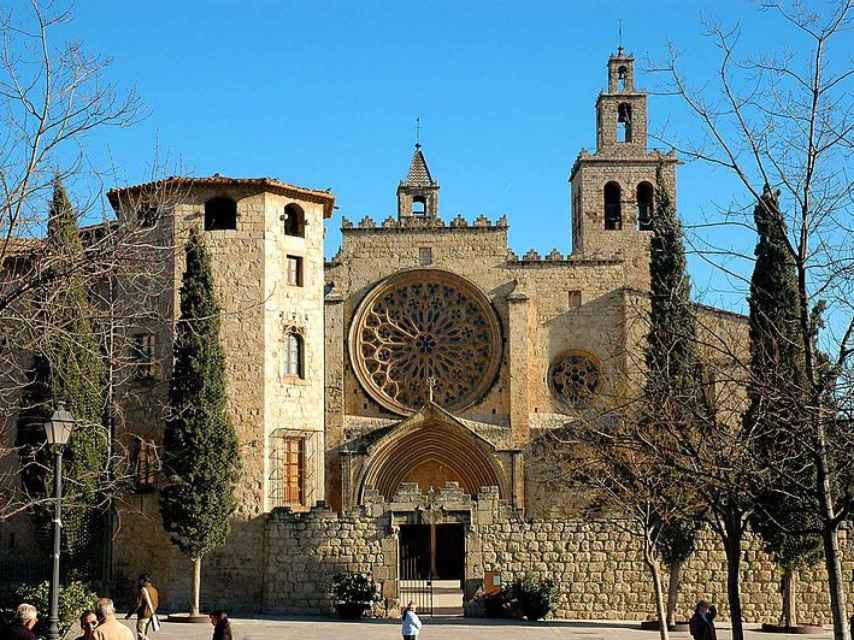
point(350, 610)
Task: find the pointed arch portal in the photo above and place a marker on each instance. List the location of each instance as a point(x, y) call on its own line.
point(430, 452)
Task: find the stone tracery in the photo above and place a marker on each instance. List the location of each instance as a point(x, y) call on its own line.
point(575, 378)
point(421, 324)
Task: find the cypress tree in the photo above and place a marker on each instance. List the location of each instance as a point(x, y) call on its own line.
point(777, 393)
point(673, 370)
point(68, 369)
point(200, 445)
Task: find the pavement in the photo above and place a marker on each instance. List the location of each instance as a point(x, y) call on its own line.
point(321, 628)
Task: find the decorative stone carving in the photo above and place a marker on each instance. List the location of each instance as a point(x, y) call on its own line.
point(423, 323)
point(575, 378)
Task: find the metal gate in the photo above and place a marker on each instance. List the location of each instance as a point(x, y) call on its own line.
point(415, 588)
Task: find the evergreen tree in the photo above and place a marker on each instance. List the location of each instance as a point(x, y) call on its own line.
point(778, 394)
point(671, 392)
point(200, 445)
point(68, 369)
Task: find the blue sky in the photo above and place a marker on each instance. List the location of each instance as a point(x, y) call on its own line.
point(325, 94)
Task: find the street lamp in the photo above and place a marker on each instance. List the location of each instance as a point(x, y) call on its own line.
point(58, 431)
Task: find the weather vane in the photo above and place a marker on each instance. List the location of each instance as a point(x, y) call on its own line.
point(620, 32)
point(418, 131)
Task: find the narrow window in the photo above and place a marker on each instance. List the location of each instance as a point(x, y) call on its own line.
point(425, 256)
point(621, 79)
point(295, 271)
point(146, 467)
point(148, 217)
point(294, 355)
point(143, 351)
point(574, 299)
point(294, 221)
point(624, 122)
point(419, 206)
point(220, 214)
point(287, 470)
point(613, 213)
point(644, 198)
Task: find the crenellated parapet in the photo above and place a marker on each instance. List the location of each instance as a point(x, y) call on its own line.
point(425, 222)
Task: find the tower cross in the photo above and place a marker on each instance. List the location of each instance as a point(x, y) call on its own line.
point(431, 386)
point(620, 29)
point(418, 131)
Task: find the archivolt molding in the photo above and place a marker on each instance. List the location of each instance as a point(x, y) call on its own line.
point(431, 435)
point(425, 323)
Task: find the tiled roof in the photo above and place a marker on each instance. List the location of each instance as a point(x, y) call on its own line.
point(419, 174)
point(271, 184)
point(19, 246)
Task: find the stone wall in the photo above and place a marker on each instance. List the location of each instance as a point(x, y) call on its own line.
point(598, 567)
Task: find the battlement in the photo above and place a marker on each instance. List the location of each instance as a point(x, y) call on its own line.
point(423, 222)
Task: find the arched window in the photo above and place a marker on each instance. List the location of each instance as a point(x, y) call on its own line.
point(624, 122)
point(294, 355)
point(419, 206)
point(294, 221)
point(220, 213)
point(613, 212)
point(621, 79)
point(644, 198)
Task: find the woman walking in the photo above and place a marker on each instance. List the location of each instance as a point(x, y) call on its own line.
point(221, 625)
point(411, 625)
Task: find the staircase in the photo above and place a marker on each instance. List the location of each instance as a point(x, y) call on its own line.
point(439, 598)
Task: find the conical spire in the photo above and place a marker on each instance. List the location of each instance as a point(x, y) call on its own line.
point(419, 174)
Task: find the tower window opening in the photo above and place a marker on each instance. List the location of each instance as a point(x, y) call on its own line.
point(220, 214)
point(613, 212)
point(419, 206)
point(294, 221)
point(621, 79)
point(645, 204)
point(294, 355)
point(624, 122)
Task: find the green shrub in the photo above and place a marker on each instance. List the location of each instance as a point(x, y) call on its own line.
point(74, 598)
point(355, 588)
point(533, 597)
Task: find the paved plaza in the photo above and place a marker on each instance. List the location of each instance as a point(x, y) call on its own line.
point(440, 629)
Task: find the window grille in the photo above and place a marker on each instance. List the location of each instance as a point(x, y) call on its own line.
point(287, 470)
point(142, 353)
point(146, 467)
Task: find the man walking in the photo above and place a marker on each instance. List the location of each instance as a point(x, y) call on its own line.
point(146, 606)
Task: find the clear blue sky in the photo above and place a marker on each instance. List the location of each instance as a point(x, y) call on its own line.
point(325, 94)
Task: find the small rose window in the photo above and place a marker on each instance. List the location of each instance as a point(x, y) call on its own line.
point(575, 378)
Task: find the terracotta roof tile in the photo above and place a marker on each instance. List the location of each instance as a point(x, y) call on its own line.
point(325, 198)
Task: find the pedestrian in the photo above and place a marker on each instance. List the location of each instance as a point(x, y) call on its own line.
point(146, 606)
point(411, 625)
point(702, 623)
point(26, 617)
point(88, 623)
point(221, 625)
point(108, 627)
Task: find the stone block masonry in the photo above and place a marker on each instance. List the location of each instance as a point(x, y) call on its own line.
point(597, 566)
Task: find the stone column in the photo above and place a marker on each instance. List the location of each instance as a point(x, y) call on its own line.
point(518, 365)
point(335, 358)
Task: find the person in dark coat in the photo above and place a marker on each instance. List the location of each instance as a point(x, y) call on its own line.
point(702, 623)
point(222, 626)
point(26, 617)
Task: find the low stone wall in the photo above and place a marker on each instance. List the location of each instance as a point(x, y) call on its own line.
point(597, 566)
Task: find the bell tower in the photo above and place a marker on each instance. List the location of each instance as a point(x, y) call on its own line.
point(613, 189)
point(418, 194)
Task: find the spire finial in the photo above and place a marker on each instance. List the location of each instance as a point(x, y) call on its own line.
point(620, 30)
point(418, 132)
point(431, 386)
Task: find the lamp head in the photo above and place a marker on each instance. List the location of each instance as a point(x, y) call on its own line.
point(58, 429)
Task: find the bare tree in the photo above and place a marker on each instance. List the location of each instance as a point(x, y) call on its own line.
point(786, 121)
point(53, 100)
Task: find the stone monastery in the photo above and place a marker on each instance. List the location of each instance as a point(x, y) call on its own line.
point(387, 400)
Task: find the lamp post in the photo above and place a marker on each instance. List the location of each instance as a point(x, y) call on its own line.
point(58, 430)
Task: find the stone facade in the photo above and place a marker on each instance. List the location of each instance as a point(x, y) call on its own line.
point(597, 565)
point(431, 357)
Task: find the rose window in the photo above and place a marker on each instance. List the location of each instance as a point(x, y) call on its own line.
point(425, 324)
point(575, 378)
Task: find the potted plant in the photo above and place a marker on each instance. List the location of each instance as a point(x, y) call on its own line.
point(533, 597)
point(354, 593)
